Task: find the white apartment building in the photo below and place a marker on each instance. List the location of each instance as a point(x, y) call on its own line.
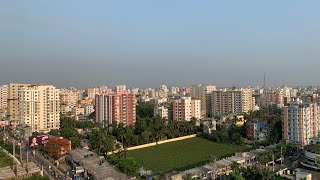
point(39, 107)
point(162, 111)
point(247, 100)
point(88, 109)
point(300, 122)
point(121, 88)
point(3, 97)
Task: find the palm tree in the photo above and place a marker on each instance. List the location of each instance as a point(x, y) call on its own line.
point(235, 167)
point(266, 174)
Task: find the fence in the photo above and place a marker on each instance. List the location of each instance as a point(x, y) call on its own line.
point(159, 142)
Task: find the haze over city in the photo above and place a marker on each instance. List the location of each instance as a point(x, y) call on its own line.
point(148, 43)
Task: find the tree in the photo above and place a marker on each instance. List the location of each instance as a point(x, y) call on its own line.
point(235, 167)
point(54, 132)
point(145, 110)
point(237, 138)
point(223, 134)
point(56, 147)
point(101, 142)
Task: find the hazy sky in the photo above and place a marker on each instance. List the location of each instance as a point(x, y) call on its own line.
point(149, 43)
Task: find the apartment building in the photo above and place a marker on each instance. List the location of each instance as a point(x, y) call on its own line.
point(69, 97)
point(259, 129)
point(3, 97)
point(185, 108)
point(300, 122)
point(203, 93)
point(88, 109)
point(39, 107)
point(92, 92)
point(234, 101)
point(161, 111)
point(13, 102)
point(119, 107)
point(274, 97)
point(121, 88)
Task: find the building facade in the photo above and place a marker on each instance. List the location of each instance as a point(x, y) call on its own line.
point(231, 101)
point(119, 107)
point(300, 122)
point(39, 107)
point(185, 108)
point(161, 111)
point(13, 112)
point(3, 96)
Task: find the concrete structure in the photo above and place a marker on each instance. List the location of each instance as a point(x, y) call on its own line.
point(92, 92)
point(186, 108)
point(13, 102)
point(121, 88)
point(39, 107)
point(259, 129)
point(69, 97)
point(3, 97)
point(300, 122)
point(162, 111)
point(233, 101)
point(88, 109)
point(311, 157)
point(119, 107)
point(202, 92)
point(87, 165)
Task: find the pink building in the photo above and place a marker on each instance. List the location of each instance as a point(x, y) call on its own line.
point(119, 107)
point(186, 108)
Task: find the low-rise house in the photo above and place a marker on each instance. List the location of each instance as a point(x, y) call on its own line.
point(259, 130)
point(89, 165)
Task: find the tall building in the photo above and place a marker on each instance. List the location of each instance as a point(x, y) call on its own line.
point(274, 97)
point(202, 92)
point(185, 108)
point(119, 107)
point(300, 122)
point(39, 107)
point(92, 92)
point(13, 102)
point(231, 101)
point(69, 97)
point(247, 100)
point(3, 97)
point(121, 88)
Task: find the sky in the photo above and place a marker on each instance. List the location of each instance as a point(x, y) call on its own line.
point(145, 43)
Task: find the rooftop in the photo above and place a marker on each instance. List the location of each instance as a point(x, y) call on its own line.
point(95, 165)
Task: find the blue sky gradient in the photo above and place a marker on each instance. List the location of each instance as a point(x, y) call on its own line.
point(147, 43)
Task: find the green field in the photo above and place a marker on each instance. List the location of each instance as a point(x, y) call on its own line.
point(181, 155)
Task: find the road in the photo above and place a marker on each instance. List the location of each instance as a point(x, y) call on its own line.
point(34, 155)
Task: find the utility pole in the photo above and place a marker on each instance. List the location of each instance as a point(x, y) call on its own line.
point(21, 153)
point(4, 134)
point(273, 162)
point(27, 161)
point(281, 156)
point(14, 147)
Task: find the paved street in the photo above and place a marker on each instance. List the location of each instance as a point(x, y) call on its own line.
point(34, 155)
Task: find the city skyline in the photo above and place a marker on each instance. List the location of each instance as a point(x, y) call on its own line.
point(146, 44)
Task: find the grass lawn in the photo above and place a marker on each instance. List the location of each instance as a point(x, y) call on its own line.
point(181, 155)
point(5, 160)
